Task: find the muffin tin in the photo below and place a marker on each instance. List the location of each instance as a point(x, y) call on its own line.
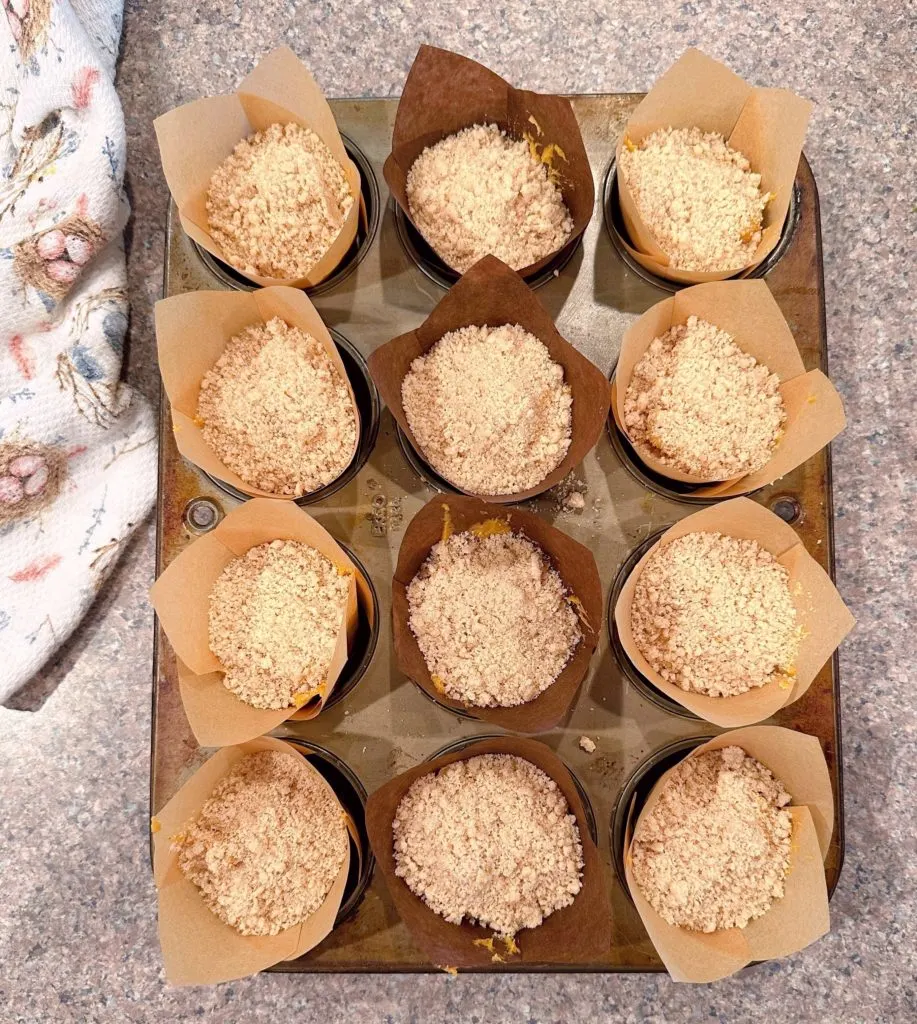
point(384, 723)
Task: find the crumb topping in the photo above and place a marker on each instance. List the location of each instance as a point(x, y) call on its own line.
point(698, 403)
point(275, 615)
point(267, 845)
point(489, 408)
point(714, 852)
point(277, 412)
point(698, 196)
point(481, 192)
point(490, 839)
point(713, 614)
point(276, 204)
point(492, 619)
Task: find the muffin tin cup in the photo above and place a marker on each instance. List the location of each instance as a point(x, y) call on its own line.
point(565, 937)
point(367, 225)
point(493, 294)
point(821, 615)
point(195, 329)
point(749, 313)
point(617, 231)
point(443, 516)
point(351, 794)
point(197, 947)
point(196, 138)
point(766, 125)
point(181, 595)
point(636, 789)
point(366, 398)
point(792, 922)
point(628, 668)
point(445, 93)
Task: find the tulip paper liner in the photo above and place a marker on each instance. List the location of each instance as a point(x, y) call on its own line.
point(767, 125)
point(747, 311)
point(492, 294)
point(581, 931)
point(197, 947)
point(824, 617)
point(181, 598)
point(801, 915)
point(444, 515)
point(192, 331)
point(196, 138)
point(445, 92)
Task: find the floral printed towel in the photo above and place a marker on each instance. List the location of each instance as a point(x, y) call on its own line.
point(77, 448)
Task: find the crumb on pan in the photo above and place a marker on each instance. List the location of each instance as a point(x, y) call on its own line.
point(698, 196)
point(491, 840)
point(277, 412)
point(587, 744)
point(698, 403)
point(489, 409)
point(492, 619)
point(278, 202)
point(714, 614)
point(275, 615)
point(481, 192)
point(267, 845)
point(714, 851)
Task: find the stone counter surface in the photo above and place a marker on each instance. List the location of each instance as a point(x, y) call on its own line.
point(77, 906)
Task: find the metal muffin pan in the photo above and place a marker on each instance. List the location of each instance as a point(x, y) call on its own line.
point(386, 724)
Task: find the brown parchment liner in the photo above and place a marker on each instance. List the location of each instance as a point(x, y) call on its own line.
point(748, 311)
point(445, 92)
point(794, 921)
point(824, 617)
point(192, 331)
point(767, 125)
point(196, 138)
point(181, 598)
point(492, 294)
point(448, 514)
point(573, 934)
point(197, 947)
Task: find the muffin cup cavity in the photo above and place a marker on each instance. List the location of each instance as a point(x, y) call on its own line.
point(491, 293)
point(444, 515)
point(445, 92)
point(196, 138)
point(823, 616)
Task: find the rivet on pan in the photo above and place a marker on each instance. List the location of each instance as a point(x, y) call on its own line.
point(787, 507)
point(202, 515)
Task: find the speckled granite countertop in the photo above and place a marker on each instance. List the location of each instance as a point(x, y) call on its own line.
point(77, 908)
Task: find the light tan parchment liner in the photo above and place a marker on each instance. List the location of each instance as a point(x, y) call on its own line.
point(193, 329)
point(181, 598)
point(445, 92)
point(196, 138)
point(820, 611)
point(492, 294)
point(579, 932)
point(794, 921)
point(574, 563)
point(767, 125)
point(747, 311)
point(197, 947)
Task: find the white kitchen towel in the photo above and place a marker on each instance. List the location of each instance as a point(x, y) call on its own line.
point(77, 448)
